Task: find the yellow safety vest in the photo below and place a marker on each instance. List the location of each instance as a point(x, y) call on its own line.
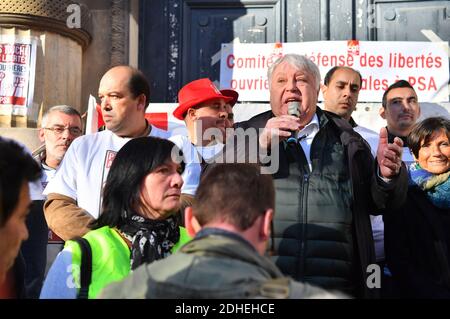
point(110, 257)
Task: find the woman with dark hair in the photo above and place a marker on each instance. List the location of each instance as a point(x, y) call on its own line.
point(139, 221)
point(417, 237)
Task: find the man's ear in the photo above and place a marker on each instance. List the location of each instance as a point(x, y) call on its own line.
point(191, 223)
point(191, 113)
point(142, 102)
point(324, 90)
point(382, 112)
point(266, 225)
point(41, 135)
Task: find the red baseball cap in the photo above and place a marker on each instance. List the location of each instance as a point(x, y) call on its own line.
point(197, 92)
point(231, 93)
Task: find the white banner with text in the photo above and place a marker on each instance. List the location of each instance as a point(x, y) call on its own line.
point(425, 65)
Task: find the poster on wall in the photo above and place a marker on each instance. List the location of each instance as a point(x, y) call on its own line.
point(424, 64)
point(17, 74)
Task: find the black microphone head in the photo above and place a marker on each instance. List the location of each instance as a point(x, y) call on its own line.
point(294, 108)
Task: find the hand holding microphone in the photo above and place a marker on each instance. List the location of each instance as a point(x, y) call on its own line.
point(281, 127)
point(293, 109)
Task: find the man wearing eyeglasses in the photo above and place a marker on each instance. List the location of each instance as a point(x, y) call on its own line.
point(60, 125)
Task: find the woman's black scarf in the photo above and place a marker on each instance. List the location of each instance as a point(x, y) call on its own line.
point(150, 239)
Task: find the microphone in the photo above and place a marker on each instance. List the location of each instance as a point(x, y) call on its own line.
point(293, 109)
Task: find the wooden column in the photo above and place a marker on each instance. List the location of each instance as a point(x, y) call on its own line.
point(58, 72)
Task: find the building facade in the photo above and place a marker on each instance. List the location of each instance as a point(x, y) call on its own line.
point(176, 41)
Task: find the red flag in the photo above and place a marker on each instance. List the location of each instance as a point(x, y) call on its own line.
point(160, 120)
point(100, 117)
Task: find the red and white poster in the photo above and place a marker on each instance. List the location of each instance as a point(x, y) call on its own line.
point(243, 67)
point(17, 74)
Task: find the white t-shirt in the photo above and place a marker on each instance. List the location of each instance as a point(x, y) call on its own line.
point(191, 153)
point(85, 166)
point(48, 173)
point(371, 137)
point(36, 190)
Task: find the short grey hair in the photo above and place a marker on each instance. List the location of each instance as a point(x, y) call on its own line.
point(66, 109)
point(299, 61)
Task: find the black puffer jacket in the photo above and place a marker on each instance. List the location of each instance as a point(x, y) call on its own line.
point(322, 227)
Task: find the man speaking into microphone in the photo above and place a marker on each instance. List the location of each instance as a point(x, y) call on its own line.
point(327, 183)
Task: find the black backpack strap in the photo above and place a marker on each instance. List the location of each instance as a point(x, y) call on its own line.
point(85, 267)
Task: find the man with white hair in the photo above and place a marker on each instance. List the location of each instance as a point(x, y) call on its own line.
point(60, 125)
point(327, 183)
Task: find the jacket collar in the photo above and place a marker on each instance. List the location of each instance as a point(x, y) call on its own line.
point(352, 122)
point(392, 136)
point(221, 244)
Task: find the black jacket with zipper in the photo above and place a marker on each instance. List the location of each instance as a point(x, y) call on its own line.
point(322, 228)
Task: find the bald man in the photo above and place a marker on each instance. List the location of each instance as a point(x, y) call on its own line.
point(74, 195)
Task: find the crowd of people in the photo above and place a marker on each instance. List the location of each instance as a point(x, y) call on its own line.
point(135, 212)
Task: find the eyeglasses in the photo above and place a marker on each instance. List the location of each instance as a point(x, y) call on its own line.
point(59, 130)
